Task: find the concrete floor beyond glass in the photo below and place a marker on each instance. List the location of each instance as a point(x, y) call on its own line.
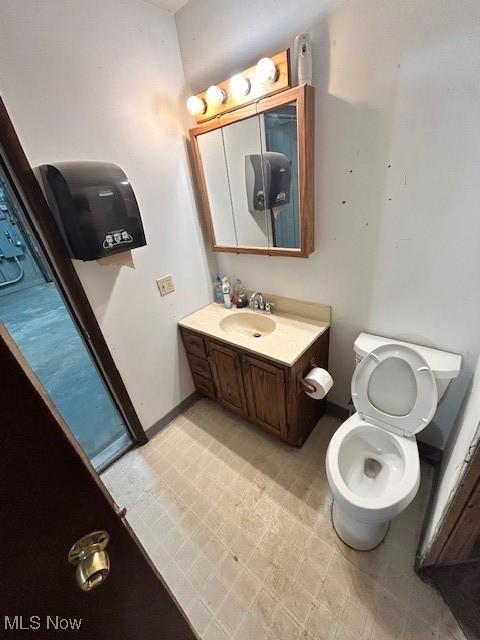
point(39, 323)
point(239, 526)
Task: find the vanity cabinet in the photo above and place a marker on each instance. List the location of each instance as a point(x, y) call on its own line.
point(226, 366)
point(265, 392)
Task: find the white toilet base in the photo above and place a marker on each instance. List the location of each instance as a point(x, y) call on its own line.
point(362, 536)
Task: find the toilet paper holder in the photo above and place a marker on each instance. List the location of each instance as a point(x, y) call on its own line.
point(304, 384)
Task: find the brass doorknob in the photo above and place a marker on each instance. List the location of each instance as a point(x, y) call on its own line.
point(93, 563)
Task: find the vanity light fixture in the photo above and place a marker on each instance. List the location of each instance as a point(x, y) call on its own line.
point(266, 71)
point(268, 76)
point(215, 96)
point(196, 106)
point(239, 86)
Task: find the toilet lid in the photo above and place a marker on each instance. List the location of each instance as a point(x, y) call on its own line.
point(393, 387)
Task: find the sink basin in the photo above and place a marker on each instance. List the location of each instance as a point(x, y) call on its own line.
point(252, 325)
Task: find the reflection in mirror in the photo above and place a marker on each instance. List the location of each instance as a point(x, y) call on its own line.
point(212, 153)
point(243, 153)
point(280, 172)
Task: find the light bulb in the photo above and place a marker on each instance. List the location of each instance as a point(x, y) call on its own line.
point(239, 86)
point(196, 106)
point(266, 71)
point(215, 96)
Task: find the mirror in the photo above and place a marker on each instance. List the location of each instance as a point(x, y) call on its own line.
point(242, 142)
point(251, 173)
point(280, 162)
point(249, 168)
point(216, 178)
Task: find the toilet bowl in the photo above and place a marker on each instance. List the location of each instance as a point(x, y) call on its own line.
point(372, 461)
point(364, 503)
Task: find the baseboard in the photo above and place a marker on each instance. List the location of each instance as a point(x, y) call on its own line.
point(432, 455)
point(337, 411)
point(429, 453)
point(171, 415)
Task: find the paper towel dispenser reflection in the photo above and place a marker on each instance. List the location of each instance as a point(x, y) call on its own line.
point(268, 180)
point(94, 207)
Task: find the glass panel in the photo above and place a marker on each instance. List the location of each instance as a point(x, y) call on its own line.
point(215, 171)
point(245, 171)
point(280, 159)
point(35, 315)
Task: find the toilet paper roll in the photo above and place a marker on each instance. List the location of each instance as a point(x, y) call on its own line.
point(321, 380)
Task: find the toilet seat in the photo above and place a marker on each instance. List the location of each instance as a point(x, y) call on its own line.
point(426, 398)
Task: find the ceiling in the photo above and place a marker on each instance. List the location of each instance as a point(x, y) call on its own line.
point(168, 5)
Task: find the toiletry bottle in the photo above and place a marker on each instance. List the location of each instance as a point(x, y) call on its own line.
point(234, 293)
point(218, 290)
point(226, 293)
point(241, 298)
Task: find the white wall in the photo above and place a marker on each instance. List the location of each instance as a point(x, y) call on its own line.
point(459, 451)
point(397, 139)
point(83, 80)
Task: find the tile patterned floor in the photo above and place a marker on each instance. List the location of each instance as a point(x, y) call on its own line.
point(239, 526)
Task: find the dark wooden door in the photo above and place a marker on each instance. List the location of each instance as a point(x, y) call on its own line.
point(227, 370)
point(265, 388)
point(50, 496)
point(457, 539)
point(463, 543)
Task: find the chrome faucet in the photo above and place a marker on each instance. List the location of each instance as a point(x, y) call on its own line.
point(258, 303)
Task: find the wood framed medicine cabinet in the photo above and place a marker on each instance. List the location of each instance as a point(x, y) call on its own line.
point(253, 169)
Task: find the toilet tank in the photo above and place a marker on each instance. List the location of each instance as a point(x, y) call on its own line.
point(444, 365)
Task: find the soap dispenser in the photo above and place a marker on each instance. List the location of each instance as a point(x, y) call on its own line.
point(240, 294)
point(226, 289)
point(218, 290)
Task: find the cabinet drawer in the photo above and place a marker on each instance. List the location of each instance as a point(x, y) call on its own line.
point(200, 366)
point(194, 344)
point(204, 386)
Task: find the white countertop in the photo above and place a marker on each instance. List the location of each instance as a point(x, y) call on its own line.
point(290, 339)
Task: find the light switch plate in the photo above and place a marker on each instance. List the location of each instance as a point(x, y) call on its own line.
point(165, 285)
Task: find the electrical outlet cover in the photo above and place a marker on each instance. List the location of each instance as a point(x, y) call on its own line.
point(165, 285)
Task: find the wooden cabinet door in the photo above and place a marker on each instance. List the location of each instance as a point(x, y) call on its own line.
point(265, 387)
point(228, 376)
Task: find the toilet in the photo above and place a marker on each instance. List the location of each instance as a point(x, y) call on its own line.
point(372, 461)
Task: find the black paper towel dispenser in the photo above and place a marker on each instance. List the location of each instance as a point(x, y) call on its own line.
point(94, 207)
point(267, 180)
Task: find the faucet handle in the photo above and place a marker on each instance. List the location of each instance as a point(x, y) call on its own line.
point(269, 307)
